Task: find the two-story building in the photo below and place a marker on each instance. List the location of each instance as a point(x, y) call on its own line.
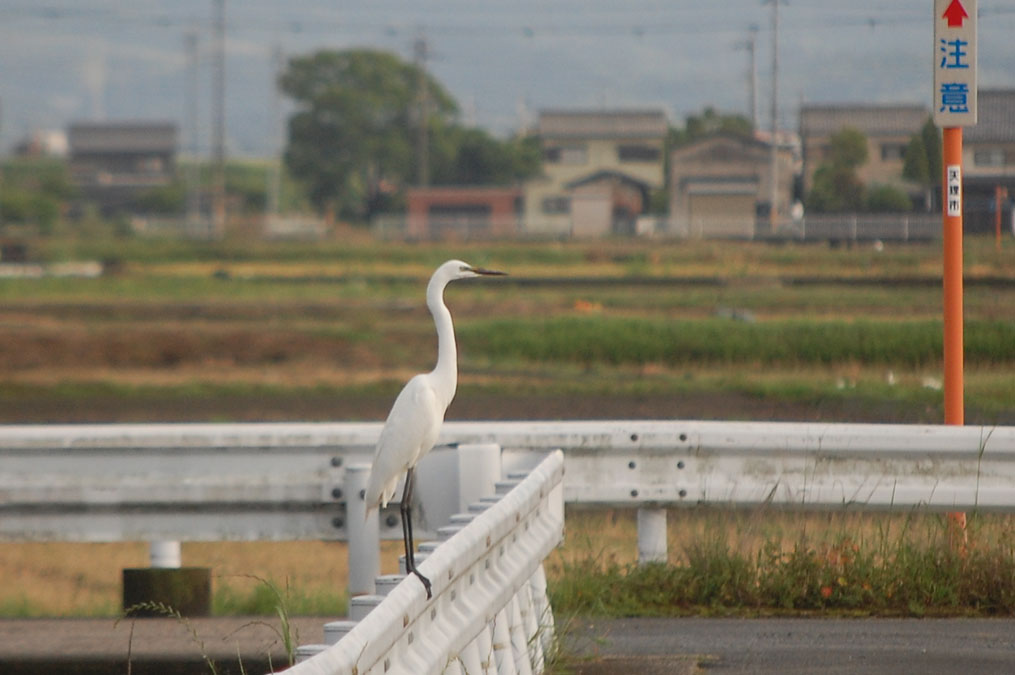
point(888, 129)
point(988, 161)
point(721, 186)
point(599, 170)
point(113, 162)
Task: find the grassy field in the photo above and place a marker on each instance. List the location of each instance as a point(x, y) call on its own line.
point(246, 330)
point(720, 563)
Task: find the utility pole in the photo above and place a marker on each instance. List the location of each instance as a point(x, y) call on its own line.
point(422, 141)
point(219, 125)
point(275, 173)
point(773, 212)
point(750, 44)
point(193, 175)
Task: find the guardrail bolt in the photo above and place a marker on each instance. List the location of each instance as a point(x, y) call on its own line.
point(634, 493)
point(683, 437)
point(680, 464)
point(336, 493)
point(391, 520)
point(631, 464)
point(682, 493)
point(336, 461)
point(338, 522)
point(634, 438)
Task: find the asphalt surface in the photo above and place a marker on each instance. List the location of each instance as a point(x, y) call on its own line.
point(787, 646)
point(151, 646)
point(602, 647)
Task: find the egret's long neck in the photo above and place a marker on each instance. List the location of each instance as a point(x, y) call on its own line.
point(446, 370)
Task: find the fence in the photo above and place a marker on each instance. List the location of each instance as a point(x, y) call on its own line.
point(489, 612)
point(288, 481)
point(852, 227)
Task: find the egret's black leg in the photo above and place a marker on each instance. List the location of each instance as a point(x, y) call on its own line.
point(406, 510)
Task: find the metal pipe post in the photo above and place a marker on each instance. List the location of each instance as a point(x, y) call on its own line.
point(364, 532)
point(165, 555)
point(651, 536)
point(953, 350)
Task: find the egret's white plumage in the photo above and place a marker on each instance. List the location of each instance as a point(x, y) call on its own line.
point(414, 422)
point(409, 433)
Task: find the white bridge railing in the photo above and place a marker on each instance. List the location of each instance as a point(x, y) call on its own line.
point(489, 612)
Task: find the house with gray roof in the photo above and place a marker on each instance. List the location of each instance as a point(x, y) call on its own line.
point(113, 162)
point(988, 160)
point(721, 187)
point(888, 129)
point(599, 168)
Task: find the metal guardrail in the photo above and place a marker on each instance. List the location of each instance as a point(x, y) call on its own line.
point(290, 481)
point(286, 481)
point(489, 612)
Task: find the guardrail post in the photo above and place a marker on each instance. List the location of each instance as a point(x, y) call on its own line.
point(651, 536)
point(364, 533)
point(479, 469)
point(165, 554)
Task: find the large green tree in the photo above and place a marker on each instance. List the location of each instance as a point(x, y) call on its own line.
point(836, 187)
point(353, 134)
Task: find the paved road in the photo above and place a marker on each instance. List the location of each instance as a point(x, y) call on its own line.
point(153, 646)
point(611, 647)
point(787, 646)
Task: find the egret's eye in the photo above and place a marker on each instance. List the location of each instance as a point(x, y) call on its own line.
point(466, 268)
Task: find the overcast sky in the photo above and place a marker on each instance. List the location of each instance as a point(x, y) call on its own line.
point(503, 60)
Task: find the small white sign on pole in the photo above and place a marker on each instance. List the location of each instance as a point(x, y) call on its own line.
point(954, 102)
point(954, 174)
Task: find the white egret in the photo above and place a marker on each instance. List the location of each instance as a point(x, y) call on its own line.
point(415, 419)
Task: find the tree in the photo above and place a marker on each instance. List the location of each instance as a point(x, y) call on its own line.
point(923, 161)
point(709, 122)
point(836, 186)
point(474, 157)
point(354, 130)
point(888, 198)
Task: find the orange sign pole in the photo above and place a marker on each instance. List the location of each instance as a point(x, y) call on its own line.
point(954, 108)
point(954, 386)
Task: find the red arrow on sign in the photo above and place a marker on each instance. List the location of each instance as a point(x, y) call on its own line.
point(955, 13)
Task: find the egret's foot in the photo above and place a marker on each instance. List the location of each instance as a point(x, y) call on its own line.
point(426, 584)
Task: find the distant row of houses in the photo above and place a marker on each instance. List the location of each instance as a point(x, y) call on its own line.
point(600, 169)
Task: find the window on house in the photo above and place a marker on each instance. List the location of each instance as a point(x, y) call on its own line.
point(637, 153)
point(459, 210)
point(566, 154)
point(988, 157)
point(558, 205)
point(893, 151)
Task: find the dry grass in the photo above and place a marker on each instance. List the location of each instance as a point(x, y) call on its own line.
point(72, 579)
point(609, 536)
point(65, 579)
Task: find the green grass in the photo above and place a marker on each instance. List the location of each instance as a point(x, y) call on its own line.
point(916, 566)
point(267, 597)
point(613, 341)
